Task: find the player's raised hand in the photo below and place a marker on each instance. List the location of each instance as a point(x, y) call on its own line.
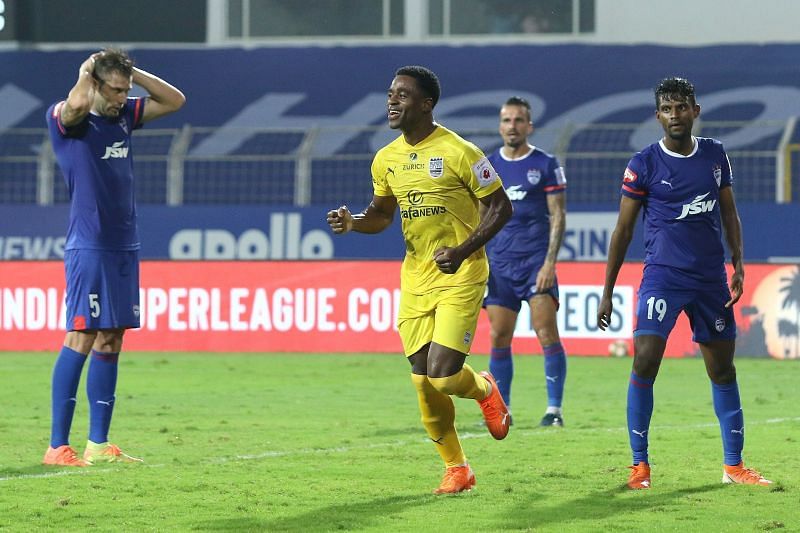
point(87, 67)
point(447, 259)
point(604, 313)
point(737, 287)
point(340, 220)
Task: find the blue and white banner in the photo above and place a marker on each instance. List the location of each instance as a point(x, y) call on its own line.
point(289, 233)
point(346, 86)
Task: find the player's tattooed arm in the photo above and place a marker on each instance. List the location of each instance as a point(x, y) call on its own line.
point(557, 208)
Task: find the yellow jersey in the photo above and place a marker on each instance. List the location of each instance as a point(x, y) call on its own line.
point(437, 183)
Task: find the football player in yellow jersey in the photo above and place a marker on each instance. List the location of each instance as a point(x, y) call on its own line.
point(438, 181)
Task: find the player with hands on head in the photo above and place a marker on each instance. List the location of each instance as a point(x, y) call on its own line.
point(437, 179)
point(684, 185)
point(91, 136)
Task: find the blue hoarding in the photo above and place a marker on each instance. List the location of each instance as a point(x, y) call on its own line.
point(246, 232)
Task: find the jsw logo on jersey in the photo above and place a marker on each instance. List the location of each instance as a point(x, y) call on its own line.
point(697, 206)
point(516, 193)
point(116, 151)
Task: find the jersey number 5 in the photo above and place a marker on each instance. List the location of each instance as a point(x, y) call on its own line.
point(94, 305)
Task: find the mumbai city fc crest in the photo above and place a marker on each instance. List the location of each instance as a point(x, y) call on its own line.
point(719, 324)
point(718, 174)
point(436, 167)
point(534, 175)
point(412, 156)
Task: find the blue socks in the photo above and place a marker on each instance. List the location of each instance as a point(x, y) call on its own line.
point(728, 409)
point(101, 383)
point(100, 386)
point(501, 365)
point(640, 410)
point(555, 373)
point(66, 376)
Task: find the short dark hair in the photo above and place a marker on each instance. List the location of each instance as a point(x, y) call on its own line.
point(112, 60)
point(427, 81)
point(669, 87)
point(521, 102)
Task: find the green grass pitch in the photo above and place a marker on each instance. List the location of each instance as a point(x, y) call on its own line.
point(333, 442)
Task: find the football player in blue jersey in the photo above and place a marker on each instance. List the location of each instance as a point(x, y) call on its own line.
point(522, 256)
point(91, 136)
point(684, 184)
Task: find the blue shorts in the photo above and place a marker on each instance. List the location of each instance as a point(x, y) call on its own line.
point(658, 309)
point(513, 282)
point(102, 289)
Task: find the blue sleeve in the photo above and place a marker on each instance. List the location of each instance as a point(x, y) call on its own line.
point(727, 172)
point(135, 111)
point(554, 180)
point(634, 179)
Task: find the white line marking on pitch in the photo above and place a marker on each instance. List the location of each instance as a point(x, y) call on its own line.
point(346, 449)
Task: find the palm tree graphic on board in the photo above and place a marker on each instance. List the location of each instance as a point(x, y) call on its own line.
point(791, 298)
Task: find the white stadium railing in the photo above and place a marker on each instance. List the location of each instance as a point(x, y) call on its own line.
point(195, 165)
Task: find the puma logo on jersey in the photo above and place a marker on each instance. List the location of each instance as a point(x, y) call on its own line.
point(697, 206)
point(116, 151)
point(516, 193)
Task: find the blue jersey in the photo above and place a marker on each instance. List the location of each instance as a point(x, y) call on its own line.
point(528, 180)
point(96, 160)
point(680, 200)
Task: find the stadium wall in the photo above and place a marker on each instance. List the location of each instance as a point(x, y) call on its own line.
point(346, 306)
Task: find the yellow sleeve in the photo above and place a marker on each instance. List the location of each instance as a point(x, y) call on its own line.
point(379, 169)
point(479, 174)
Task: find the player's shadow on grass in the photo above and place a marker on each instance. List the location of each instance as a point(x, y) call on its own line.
point(343, 517)
point(36, 470)
point(413, 431)
point(598, 505)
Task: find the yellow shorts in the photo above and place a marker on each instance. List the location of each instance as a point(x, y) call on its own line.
point(445, 316)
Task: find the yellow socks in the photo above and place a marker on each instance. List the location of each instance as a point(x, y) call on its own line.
point(464, 384)
point(438, 417)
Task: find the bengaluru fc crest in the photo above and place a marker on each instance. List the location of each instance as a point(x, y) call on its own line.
point(436, 167)
point(534, 175)
point(718, 174)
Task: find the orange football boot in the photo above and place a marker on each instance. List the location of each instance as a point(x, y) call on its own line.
point(745, 476)
point(62, 456)
point(495, 411)
point(640, 476)
point(456, 479)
